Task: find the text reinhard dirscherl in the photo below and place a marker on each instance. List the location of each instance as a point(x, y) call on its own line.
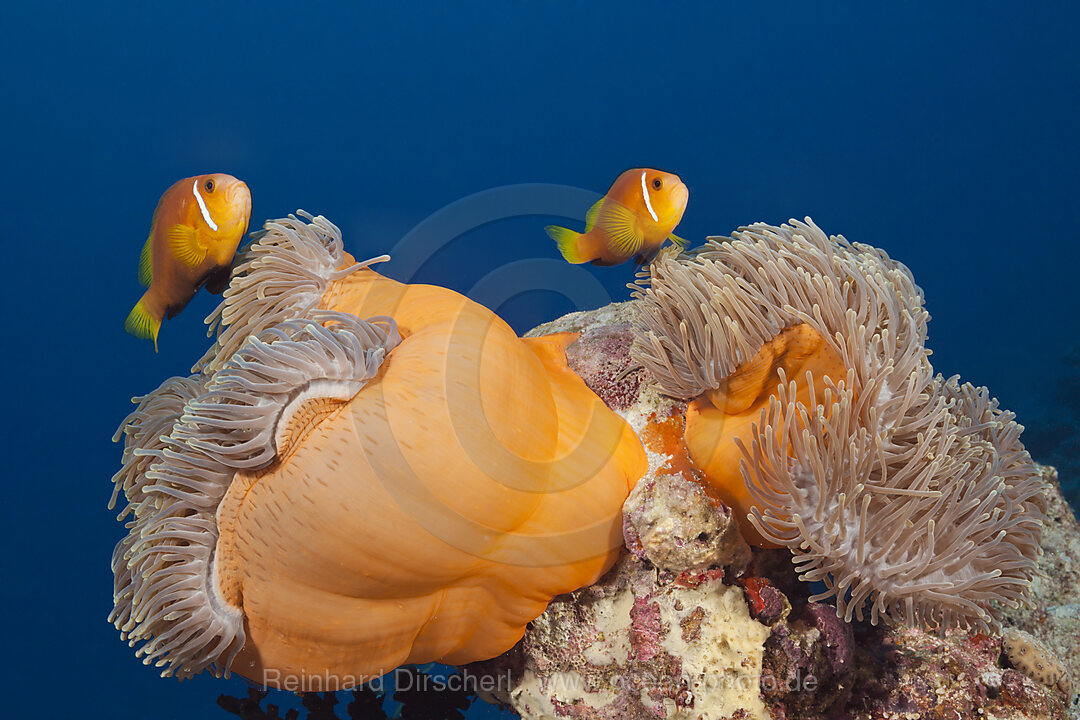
point(502, 683)
point(402, 679)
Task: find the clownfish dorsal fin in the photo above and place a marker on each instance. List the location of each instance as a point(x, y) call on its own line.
point(184, 244)
point(620, 226)
point(146, 263)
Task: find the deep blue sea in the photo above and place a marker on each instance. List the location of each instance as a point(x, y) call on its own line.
point(945, 133)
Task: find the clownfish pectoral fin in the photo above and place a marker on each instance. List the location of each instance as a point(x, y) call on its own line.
point(567, 240)
point(142, 324)
point(619, 225)
point(680, 242)
point(184, 243)
point(146, 263)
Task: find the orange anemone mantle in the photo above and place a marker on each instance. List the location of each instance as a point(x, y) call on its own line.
point(431, 517)
point(723, 420)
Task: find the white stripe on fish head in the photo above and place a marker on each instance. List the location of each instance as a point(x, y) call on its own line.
point(202, 206)
point(645, 195)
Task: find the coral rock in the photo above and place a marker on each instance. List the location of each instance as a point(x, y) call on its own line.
point(1055, 621)
point(767, 604)
point(807, 661)
point(631, 647)
point(674, 524)
point(601, 357)
point(1034, 659)
point(907, 672)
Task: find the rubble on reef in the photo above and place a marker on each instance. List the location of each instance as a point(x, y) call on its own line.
point(639, 645)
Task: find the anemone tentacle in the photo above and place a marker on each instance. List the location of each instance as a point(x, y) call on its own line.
point(892, 485)
point(185, 443)
point(281, 275)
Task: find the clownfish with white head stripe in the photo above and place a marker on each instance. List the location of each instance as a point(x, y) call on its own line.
point(632, 220)
point(196, 229)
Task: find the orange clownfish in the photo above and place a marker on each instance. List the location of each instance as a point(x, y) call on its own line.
point(196, 229)
point(632, 220)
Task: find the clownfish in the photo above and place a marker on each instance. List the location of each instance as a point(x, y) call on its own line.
point(197, 226)
point(632, 220)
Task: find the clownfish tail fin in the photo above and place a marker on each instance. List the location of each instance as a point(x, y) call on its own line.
point(142, 323)
point(567, 240)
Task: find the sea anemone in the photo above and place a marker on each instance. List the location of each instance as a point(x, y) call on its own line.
point(333, 497)
point(816, 414)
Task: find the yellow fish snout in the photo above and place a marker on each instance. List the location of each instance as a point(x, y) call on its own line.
point(679, 196)
point(237, 192)
point(232, 204)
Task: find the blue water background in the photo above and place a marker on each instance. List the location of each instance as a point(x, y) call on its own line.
point(944, 133)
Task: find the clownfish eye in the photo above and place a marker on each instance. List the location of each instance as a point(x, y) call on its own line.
point(657, 183)
point(209, 185)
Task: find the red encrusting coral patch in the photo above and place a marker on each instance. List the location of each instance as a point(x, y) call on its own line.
point(693, 579)
point(645, 629)
point(766, 603)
